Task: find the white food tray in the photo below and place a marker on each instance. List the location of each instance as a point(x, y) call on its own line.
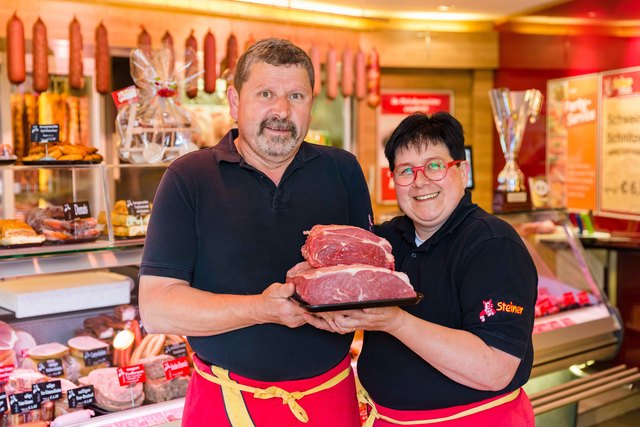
point(61, 293)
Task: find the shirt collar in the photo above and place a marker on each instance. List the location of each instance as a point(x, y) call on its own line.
point(464, 208)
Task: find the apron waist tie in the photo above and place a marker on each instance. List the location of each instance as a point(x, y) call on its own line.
point(231, 389)
point(363, 397)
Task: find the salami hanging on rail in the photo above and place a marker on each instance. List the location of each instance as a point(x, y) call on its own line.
point(373, 79)
point(103, 60)
point(361, 75)
point(16, 67)
point(191, 58)
point(331, 68)
point(40, 50)
point(144, 41)
point(210, 74)
point(347, 72)
point(76, 71)
point(314, 53)
point(167, 43)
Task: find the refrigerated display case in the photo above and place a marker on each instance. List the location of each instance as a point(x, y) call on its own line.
point(575, 322)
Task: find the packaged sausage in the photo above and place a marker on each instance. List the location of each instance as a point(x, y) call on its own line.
point(155, 128)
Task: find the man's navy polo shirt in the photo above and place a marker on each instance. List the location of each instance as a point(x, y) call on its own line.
point(473, 259)
point(226, 228)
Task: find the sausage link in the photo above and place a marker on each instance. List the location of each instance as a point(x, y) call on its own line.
point(144, 41)
point(209, 62)
point(16, 67)
point(229, 62)
point(103, 60)
point(76, 71)
point(191, 56)
point(373, 79)
point(332, 73)
point(314, 53)
point(361, 75)
point(347, 72)
point(40, 57)
point(167, 42)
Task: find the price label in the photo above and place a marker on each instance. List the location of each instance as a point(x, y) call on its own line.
point(51, 368)
point(127, 95)
point(95, 357)
point(133, 374)
point(5, 371)
point(23, 402)
point(44, 134)
point(138, 207)
point(176, 350)
point(176, 368)
point(76, 210)
point(81, 396)
point(3, 403)
point(48, 391)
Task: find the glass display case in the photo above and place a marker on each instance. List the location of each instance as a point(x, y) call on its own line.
point(575, 322)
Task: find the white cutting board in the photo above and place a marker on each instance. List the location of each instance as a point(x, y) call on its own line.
point(61, 293)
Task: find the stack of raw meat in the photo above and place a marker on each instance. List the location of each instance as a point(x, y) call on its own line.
point(346, 264)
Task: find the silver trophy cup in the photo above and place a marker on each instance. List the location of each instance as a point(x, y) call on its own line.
point(511, 112)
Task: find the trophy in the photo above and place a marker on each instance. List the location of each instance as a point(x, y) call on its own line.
point(511, 111)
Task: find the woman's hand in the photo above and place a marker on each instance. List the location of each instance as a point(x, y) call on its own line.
point(387, 319)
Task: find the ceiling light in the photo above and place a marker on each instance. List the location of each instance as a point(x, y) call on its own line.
point(445, 7)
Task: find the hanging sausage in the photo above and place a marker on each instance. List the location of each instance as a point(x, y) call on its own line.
point(144, 41)
point(347, 72)
point(361, 75)
point(103, 60)
point(40, 50)
point(331, 68)
point(167, 43)
point(191, 58)
point(76, 71)
point(210, 74)
point(16, 67)
point(373, 79)
point(314, 53)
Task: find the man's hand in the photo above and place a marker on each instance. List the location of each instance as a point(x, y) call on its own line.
point(277, 307)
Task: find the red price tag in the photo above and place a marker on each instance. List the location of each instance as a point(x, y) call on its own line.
point(176, 367)
point(128, 95)
point(5, 371)
point(131, 375)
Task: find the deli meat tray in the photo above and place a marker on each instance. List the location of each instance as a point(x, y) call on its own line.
point(60, 293)
point(357, 305)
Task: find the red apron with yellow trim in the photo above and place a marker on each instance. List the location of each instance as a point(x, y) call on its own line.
point(515, 413)
point(335, 406)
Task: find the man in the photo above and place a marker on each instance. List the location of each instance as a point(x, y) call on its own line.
point(461, 356)
point(227, 223)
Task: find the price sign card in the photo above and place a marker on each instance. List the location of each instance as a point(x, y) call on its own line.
point(138, 208)
point(23, 402)
point(76, 210)
point(95, 357)
point(4, 373)
point(81, 396)
point(176, 350)
point(45, 392)
point(129, 375)
point(51, 368)
point(176, 368)
point(44, 134)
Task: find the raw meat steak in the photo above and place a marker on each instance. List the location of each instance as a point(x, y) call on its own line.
point(348, 283)
point(328, 245)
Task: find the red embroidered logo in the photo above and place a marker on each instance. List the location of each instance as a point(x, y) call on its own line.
point(488, 310)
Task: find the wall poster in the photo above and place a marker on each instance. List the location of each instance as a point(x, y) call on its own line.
point(572, 131)
point(619, 149)
point(394, 107)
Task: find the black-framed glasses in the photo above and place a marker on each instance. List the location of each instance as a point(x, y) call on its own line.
point(435, 170)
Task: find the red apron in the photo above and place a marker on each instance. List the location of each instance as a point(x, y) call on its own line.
point(335, 406)
point(517, 412)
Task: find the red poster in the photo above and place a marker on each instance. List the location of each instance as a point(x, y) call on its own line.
point(131, 375)
point(394, 107)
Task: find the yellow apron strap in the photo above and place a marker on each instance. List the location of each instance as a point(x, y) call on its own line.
point(237, 410)
point(363, 397)
point(233, 401)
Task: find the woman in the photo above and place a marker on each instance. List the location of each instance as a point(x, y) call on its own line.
point(460, 357)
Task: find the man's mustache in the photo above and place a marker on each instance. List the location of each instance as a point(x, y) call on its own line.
point(279, 124)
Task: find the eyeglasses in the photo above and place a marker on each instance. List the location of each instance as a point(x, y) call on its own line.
point(435, 170)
